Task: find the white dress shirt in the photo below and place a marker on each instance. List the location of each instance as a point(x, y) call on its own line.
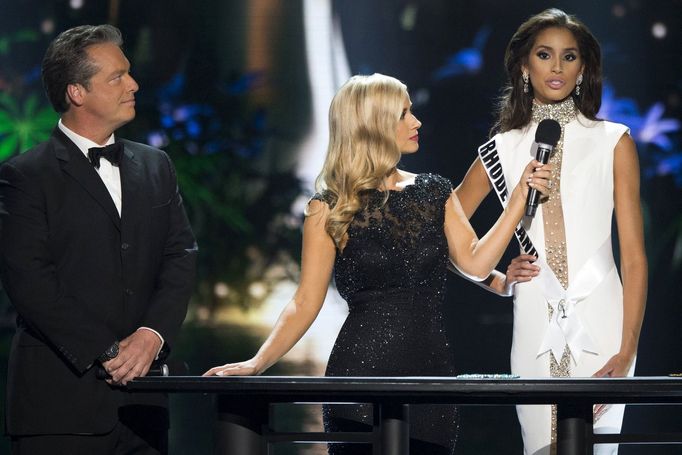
point(109, 173)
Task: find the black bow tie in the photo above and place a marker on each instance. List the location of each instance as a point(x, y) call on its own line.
point(111, 152)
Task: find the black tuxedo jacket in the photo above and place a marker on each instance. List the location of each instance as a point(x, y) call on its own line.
point(81, 277)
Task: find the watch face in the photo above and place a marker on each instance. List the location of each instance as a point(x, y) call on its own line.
point(112, 351)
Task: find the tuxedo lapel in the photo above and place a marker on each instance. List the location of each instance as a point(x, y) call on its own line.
point(79, 168)
point(131, 176)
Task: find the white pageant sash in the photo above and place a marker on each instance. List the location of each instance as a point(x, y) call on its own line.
point(491, 163)
point(565, 326)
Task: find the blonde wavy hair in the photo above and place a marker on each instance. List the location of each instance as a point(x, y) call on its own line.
point(362, 151)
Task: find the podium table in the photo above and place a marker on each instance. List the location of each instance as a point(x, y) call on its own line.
point(243, 423)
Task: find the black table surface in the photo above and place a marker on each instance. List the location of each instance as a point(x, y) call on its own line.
point(484, 390)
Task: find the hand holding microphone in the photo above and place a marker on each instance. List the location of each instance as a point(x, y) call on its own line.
point(546, 136)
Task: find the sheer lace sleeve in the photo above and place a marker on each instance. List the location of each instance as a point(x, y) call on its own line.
point(325, 196)
point(440, 187)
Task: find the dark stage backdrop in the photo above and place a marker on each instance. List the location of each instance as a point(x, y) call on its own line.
point(236, 92)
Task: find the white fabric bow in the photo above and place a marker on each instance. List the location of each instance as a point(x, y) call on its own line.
point(565, 326)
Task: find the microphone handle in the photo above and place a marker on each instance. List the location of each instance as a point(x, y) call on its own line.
point(155, 370)
point(533, 199)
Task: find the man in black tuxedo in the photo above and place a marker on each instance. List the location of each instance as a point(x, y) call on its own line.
point(98, 258)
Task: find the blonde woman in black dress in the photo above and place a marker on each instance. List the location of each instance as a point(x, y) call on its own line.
point(387, 235)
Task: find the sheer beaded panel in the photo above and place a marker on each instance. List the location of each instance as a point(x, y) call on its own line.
point(552, 211)
point(555, 233)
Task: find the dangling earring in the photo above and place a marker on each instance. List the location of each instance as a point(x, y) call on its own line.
point(577, 84)
point(525, 82)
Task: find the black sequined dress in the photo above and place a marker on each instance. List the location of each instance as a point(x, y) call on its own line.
point(392, 274)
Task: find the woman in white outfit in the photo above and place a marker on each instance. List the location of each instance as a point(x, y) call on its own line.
point(574, 318)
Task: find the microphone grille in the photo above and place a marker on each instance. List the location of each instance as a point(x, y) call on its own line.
point(548, 132)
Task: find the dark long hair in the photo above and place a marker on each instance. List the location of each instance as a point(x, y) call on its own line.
point(515, 107)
